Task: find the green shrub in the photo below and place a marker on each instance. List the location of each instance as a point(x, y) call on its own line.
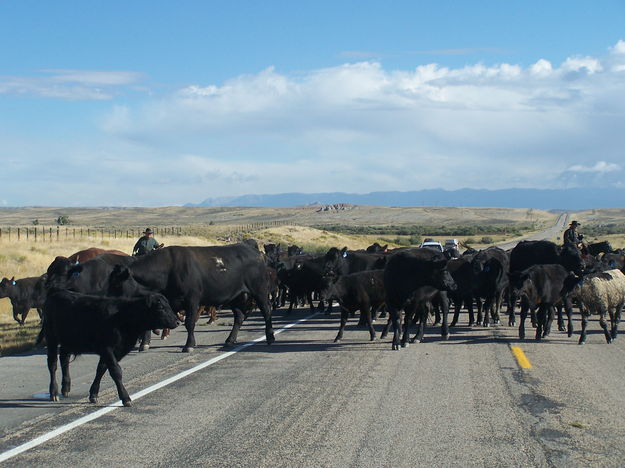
point(486, 240)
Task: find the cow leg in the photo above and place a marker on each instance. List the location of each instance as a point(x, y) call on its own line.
point(309, 298)
point(66, 381)
point(582, 338)
point(457, 307)
point(423, 318)
point(387, 325)
point(616, 320)
point(238, 321)
point(511, 303)
point(94, 390)
point(488, 310)
point(191, 307)
point(146, 339)
point(344, 317)
point(550, 311)
point(265, 309)
point(568, 307)
point(323, 308)
point(469, 305)
point(18, 311)
point(40, 312)
point(524, 308)
point(115, 372)
point(480, 310)
point(396, 321)
point(409, 316)
point(541, 321)
point(52, 364)
point(368, 320)
point(560, 317)
point(604, 325)
point(444, 305)
point(437, 315)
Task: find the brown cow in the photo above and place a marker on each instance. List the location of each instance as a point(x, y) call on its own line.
point(92, 252)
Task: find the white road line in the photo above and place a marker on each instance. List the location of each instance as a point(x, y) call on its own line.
point(101, 412)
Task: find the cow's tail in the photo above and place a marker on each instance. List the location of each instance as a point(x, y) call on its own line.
point(41, 338)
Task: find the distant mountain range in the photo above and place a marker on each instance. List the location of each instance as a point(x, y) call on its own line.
point(557, 199)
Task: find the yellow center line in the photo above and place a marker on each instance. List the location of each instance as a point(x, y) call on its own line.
point(521, 358)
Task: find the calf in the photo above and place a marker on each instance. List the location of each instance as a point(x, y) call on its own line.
point(25, 294)
point(490, 267)
point(363, 291)
point(408, 270)
point(109, 327)
point(542, 287)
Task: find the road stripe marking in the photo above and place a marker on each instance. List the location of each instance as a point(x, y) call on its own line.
point(101, 412)
point(521, 357)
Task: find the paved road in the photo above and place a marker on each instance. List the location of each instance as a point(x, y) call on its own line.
point(551, 233)
point(308, 402)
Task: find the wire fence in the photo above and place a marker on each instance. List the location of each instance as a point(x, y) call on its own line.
point(62, 233)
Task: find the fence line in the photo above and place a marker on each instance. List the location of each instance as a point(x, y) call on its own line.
point(56, 233)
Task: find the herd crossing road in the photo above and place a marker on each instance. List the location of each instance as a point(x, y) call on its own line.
point(482, 398)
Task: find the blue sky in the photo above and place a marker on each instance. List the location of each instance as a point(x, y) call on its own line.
point(161, 103)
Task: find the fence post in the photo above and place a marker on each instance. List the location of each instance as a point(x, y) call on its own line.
point(50, 234)
point(58, 229)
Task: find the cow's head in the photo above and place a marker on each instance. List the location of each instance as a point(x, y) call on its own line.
point(335, 262)
point(519, 282)
point(6, 286)
point(121, 282)
point(294, 250)
point(159, 313)
point(571, 259)
point(441, 279)
point(58, 273)
point(328, 287)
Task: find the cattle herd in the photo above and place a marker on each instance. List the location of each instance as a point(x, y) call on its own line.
point(105, 302)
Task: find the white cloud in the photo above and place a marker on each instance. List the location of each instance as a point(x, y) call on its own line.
point(358, 127)
point(76, 85)
point(599, 166)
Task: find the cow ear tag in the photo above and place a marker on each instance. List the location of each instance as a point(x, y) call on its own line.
point(344, 254)
point(14, 282)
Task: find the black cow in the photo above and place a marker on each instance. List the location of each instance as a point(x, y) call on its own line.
point(344, 262)
point(363, 291)
point(542, 287)
point(599, 247)
point(613, 260)
point(405, 272)
point(528, 253)
point(462, 272)
point(89, 277)
point(490, 267)
point(377, 248)
point(303, 276)
point(226, 275)
point(25, 294)
point(292, 250)
point(108, 327)
point(272, 252)
point(422, 301)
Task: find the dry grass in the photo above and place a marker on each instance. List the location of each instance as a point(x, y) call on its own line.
point(23, 259)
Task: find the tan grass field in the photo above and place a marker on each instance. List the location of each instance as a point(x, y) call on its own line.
point(28, 258)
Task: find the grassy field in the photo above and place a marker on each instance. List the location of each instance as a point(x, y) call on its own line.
point(23, 259)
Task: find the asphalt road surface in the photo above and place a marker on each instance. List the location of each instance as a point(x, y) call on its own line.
point(308, 402)
point(552, 233)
